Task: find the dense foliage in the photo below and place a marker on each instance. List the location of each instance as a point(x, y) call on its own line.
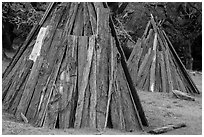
point(23, 15)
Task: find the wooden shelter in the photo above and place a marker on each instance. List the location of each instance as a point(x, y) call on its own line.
point(155, 66)
point(71, 72)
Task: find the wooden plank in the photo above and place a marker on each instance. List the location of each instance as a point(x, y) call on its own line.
point(86, 109)
point(68, 83)
point(92, 16)
point(146, 84)
point(146, 44)
point(116, 120)
point(121, 123)
point(163, 73)
point(82, 88)
point(102, 71)
point(133, 69)
point(182, 95)
point(180, 82)
point(93, 92)
point(167, 128)
point(144, 62)
point(134, 52)
point(145, 72)
point(82, 57)
point(65, 17)
point(111, 78)
point(170, 86)
point(146, 30)
point(87, 28)
point(78, 24)
point(153, 24)
point(133, 61)
point(152, 70)
point(173, 73)
point(116, 112)
point(157, 73)
point(71, 18)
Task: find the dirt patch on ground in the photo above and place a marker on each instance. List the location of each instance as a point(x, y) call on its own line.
point(160, 108)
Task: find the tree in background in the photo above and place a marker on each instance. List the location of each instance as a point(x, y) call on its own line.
point(182, 21)
point(23, 15)
point(17, 20)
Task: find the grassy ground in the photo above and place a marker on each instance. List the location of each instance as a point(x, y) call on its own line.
point(161, 109)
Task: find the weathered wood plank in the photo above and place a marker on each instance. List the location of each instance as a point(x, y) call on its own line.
point(163, 73)
point(146, 44)
point(167, 128)
point(71, 18)
point(92, 16)
point(152, 69)
point(134, 52)
point(135, 68)
point(82, 57)
point(68, 83)
point(87, 24)
point(103, 57)
point(93, 92)
point(157, 73)
point(82, 88)
point(146, 30)
point(117, 117)
point(85, 116)
point(170, 86)
point(111, 80)
point(144, 62)
point(145, 73)
point(78, 24)
point(173, 73)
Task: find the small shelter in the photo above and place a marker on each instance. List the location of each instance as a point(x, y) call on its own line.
point(155, 66)
point(71, 73)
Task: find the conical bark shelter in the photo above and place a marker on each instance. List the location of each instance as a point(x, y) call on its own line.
point(155, 66)
point(71, 72)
